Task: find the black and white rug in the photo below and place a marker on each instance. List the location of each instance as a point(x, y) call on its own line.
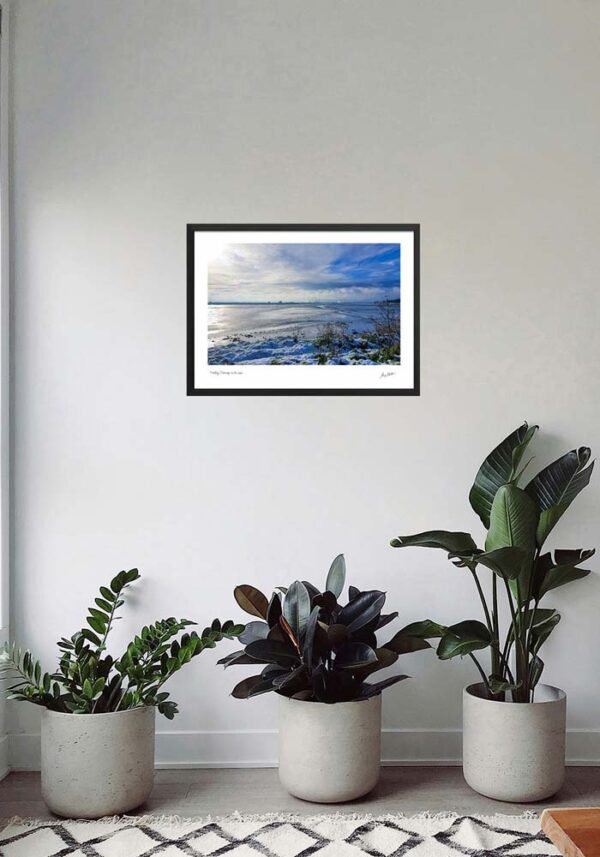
point(425, 835)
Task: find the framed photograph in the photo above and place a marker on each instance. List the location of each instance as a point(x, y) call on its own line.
point(297, 310)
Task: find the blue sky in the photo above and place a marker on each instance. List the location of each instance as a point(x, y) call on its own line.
point(304, 272)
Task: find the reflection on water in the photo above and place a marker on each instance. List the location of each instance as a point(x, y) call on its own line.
point(277, 319)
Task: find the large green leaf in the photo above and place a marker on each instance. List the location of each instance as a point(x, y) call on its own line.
point(462, 639)
point(506, 562)
point(560, 482)
point(452, 542)
point(556, 486)
point(296, 607)
point(427, 629)
point(513, 520)
point(499, 467)
point(547, 521)
point(562, 570)
point(336, 576)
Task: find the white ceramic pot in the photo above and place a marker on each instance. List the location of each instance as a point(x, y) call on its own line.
point(514, 751)
point(97, 764)
point(329, 753)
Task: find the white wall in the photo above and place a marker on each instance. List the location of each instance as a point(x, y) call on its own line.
point(130, 118)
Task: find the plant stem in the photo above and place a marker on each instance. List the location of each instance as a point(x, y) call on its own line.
point(483, 601)
point(521, 667)
point(496, 633)
point(481, 672)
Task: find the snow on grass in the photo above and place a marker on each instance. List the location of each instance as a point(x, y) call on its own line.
point(354, 350)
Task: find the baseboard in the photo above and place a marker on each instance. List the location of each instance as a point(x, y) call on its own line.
point(258, 749)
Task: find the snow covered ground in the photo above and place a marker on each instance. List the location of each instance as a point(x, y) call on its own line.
point(252, 349)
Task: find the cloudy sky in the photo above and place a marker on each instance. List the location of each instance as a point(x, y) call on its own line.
point(304, 272)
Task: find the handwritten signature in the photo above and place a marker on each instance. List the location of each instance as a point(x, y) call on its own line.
point(387, 374)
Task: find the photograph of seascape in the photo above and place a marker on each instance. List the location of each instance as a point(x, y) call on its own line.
point(304, 304)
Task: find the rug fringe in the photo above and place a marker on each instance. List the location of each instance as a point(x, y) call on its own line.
point(167, 821)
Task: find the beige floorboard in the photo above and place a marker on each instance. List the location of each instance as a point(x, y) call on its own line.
point(226, 790)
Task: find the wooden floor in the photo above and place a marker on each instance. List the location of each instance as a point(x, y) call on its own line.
point(222, 791)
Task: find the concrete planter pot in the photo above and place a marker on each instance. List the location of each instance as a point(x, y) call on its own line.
point(514, 751)
point(329, 753)
point(97, 764)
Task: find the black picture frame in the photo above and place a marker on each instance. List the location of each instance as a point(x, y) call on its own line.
point(193, 228)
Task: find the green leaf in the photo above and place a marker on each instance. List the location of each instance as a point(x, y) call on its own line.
point(560, 482)
point(96, 624)
point(427, 629)
point(251, 600)
point(296, 607)
point(451, 542)
point(498, 685)
point(564, 571)
point(547, 521)
point(513, 520)
point(118, 582)
point(106, 593)
point(541, 631)
point(511, 563)
point(499, 468)
point(555, 487)
point(336, 576)
point(463, 638)
point(536, 667)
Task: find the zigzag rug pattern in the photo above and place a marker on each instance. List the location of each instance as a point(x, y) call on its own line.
point(339, 835)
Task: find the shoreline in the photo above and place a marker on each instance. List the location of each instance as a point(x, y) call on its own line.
point(355, 349)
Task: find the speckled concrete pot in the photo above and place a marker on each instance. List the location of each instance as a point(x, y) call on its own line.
point(97, 764)
point(514, 751)
point(329, 753)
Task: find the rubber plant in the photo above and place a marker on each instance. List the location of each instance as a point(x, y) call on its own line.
point(518, 519)
point(89, 681)
point(314, 648)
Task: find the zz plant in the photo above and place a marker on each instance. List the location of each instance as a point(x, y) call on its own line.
point(518, 520)
point(312, 647)
point(90, 681)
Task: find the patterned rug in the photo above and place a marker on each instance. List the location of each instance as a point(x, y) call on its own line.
point(425, 835)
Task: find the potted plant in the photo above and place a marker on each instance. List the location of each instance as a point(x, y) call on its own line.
point(317, 655)
point(99, 712)
point(513, 726)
